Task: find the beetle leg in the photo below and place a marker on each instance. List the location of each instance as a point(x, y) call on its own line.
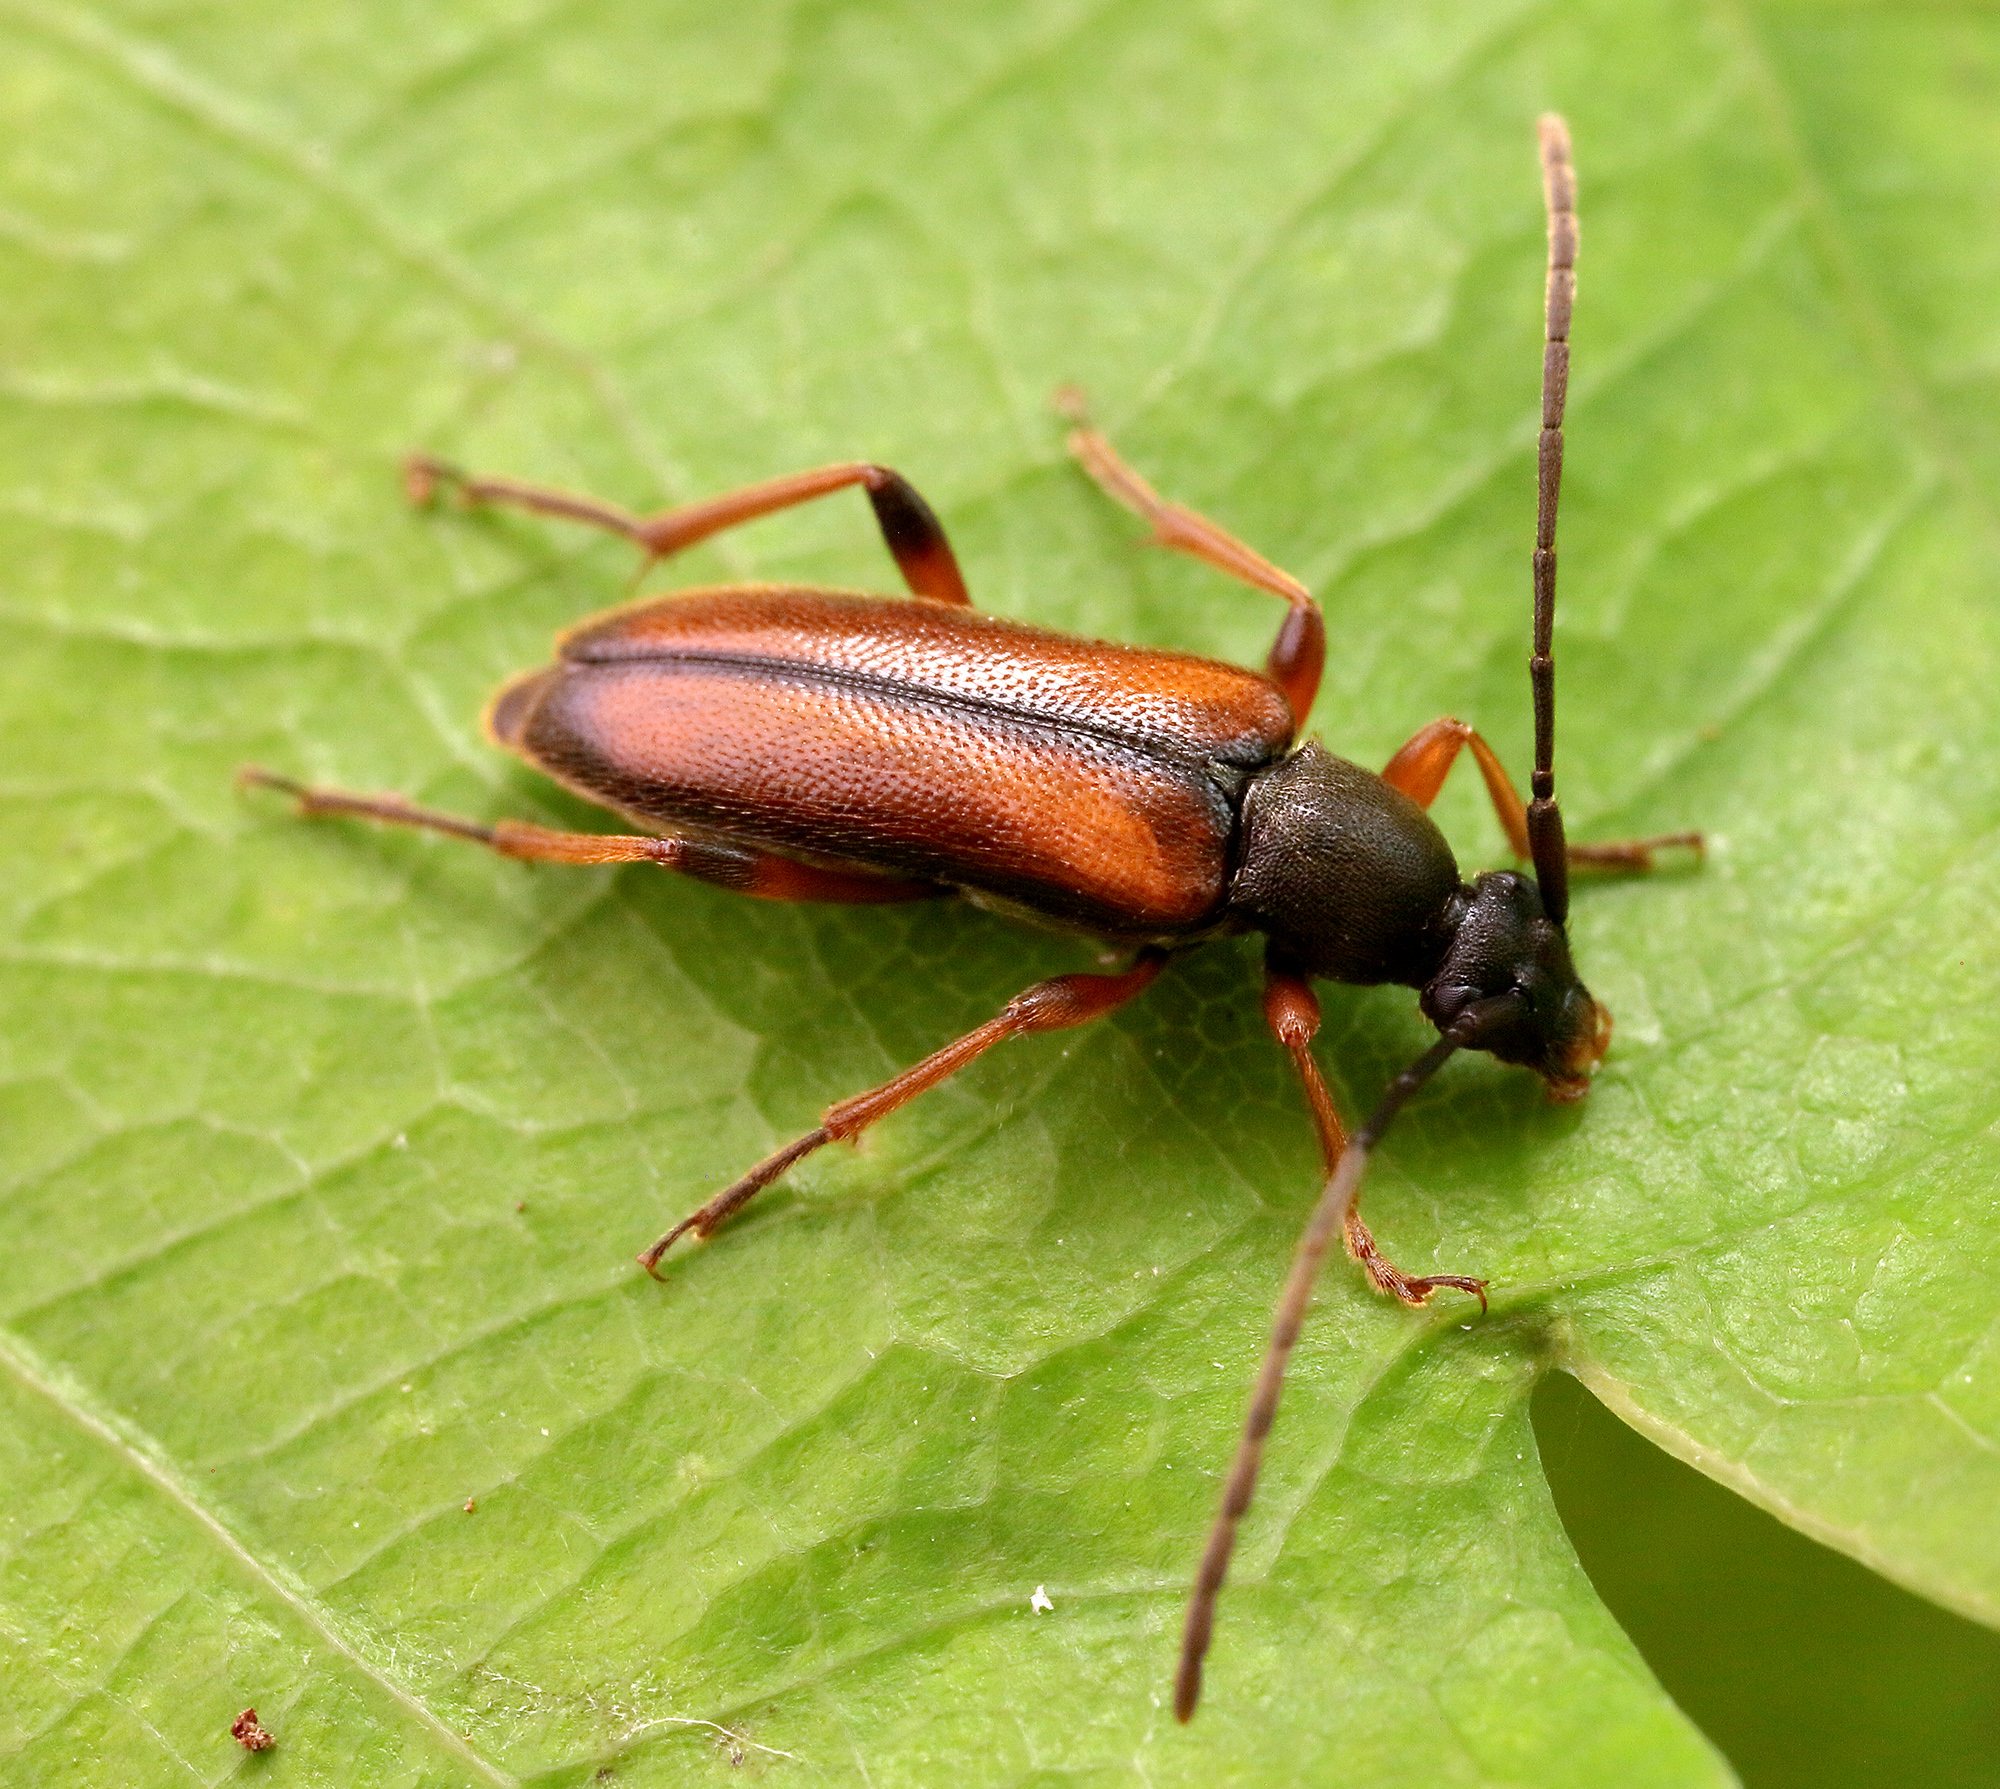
point(1054, 1005)
point(1298, 654)
point(1291, 1009)
point(913, 534)
point(1420, 768)
point(729, 866)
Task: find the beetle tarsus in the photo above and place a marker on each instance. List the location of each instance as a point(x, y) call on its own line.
point(392, 810)
point(737, 1194)
point(1385, 1276)
point(649, 1259)
point(1418, 1292)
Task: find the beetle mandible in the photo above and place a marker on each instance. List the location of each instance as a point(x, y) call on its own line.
point(802, 744)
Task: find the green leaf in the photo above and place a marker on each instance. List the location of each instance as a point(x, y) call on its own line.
point(329, 1385)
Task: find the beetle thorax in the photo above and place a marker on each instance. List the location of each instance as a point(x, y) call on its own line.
point(1349, 877)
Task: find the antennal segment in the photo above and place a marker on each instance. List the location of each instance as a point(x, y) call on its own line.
point(1545, 827)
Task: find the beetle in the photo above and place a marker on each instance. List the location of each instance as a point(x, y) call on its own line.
point(803, 744)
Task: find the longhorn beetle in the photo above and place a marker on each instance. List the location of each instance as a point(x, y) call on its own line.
point(802, 744)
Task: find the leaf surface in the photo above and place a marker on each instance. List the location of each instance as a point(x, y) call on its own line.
point(329, 1385)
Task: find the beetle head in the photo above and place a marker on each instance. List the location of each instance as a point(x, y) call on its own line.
point(1510, 956)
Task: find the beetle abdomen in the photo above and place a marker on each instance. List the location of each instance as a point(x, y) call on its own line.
point(1093, 783)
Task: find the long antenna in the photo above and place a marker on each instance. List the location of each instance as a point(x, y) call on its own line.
point(1545, 827)
point(1328, 1218)
point(1551, 857)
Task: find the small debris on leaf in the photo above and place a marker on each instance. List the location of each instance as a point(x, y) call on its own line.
point(1040, 1600)
point(249, 1733)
